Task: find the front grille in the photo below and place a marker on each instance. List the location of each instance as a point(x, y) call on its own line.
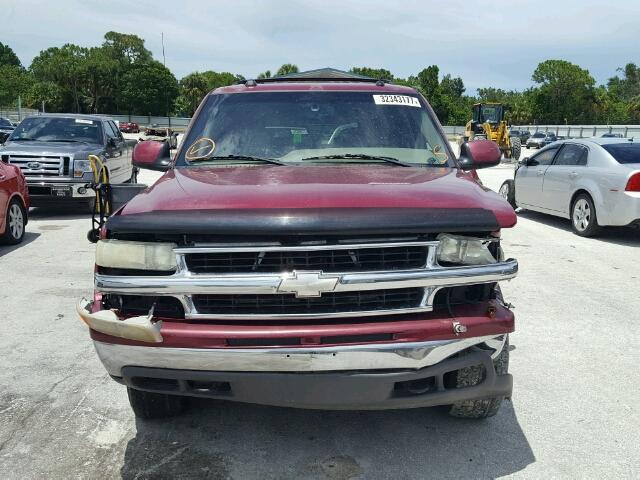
point(338, 260)
point(333, 302)
point(41, 166)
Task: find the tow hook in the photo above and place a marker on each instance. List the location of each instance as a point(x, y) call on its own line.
point(459, 328)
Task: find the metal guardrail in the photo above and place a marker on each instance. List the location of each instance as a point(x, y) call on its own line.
point(569, 131)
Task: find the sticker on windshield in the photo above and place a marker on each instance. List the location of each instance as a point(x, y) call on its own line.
point(82, 120)
point(405, 100)
point(201, 148)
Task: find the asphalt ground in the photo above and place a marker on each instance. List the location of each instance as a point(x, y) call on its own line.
point(574, 411)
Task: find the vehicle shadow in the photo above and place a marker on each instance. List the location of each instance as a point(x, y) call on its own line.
point(619, 235)
point(27, 239)
point(71, 211)
point(228, 440)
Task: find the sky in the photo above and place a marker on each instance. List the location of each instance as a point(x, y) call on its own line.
point(494, 43)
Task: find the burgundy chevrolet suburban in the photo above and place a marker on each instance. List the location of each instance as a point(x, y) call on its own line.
point(315, 243)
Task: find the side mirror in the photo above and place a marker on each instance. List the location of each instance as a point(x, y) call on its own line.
point(479, 154)
point(524, 161)
point(112, 142)
point(152, 155)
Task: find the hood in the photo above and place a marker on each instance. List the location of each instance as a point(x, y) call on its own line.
point(50, 148)
point(318, 188)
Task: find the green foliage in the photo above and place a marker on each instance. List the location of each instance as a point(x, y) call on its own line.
point(8, 57)
point(377, 73)
point(14, 81)
point(286, 69)
point(149, 88)
point(263, 75)
point(196, 85)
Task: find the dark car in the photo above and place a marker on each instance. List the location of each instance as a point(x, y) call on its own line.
point(611, 135)
point(53, 151)
point(523, 135)
point(6, 127)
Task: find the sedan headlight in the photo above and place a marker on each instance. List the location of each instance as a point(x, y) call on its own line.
point(136, 255)
point(80, 167)
point(464, 250)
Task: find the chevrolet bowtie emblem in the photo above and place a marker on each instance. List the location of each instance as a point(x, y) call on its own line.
point(308, 284)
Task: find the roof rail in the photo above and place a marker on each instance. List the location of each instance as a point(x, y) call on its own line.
point(252, 82)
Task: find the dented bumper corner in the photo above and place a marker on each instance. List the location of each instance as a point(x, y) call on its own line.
point(139, 328)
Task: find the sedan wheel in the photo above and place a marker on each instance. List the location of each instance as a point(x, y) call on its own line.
point(583, 217)
point(14, 229)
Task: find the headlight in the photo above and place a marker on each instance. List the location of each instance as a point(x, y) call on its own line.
point(80, 167)
point(136, 255)
point(464, 250)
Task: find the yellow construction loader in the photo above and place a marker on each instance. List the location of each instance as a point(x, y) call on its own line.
point(488, 122)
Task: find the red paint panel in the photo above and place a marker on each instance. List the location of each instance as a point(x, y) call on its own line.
point(431, 326)
point(208, 188)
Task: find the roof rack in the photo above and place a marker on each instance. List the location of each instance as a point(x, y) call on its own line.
point(253, 82)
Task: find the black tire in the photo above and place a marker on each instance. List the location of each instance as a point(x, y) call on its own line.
point(508, 192)
point(584, 219)
point(15, 223)
point(516, 148)
point(150, 405)
point(465, 377)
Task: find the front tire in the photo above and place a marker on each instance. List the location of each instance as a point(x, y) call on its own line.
point(584, 220)
point(465, 377)
point(508, 192)
point(516, 148)
point(149, 405)
point(15, 222)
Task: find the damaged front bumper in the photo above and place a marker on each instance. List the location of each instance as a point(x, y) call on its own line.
point(140, 328)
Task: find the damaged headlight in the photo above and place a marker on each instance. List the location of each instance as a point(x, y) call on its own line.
point(464, 250)
point(136, 255)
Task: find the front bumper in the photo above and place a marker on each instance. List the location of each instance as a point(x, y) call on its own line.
point(46, 192)
point(399, 355)
point(342, 390)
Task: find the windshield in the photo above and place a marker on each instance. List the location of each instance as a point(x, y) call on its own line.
point(297, 127)
point(5, 123)
point(538, 135)
point(624, 152)
point(58, 129)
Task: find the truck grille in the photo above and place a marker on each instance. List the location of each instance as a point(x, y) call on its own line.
point(41, 166)
point(339, 260)
point(329, 303)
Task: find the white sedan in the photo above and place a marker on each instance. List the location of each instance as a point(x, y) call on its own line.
point(593, 182)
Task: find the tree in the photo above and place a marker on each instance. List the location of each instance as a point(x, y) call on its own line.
point(286, 69)
point(266, 74)
point(99, 67)
point(126, 48)
point(377, 73)
point(8, 57)
point(14, 82)
point(47, 93)
point(149, 88)
point(65, 66)
point(565, 92)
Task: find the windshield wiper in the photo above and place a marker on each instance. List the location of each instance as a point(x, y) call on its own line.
point(360, 156)
point(65, 140)
point(23, 139)
point(237, 157)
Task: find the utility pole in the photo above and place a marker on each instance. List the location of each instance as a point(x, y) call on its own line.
point(163, 59)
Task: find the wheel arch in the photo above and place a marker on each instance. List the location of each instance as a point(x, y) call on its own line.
point(23, 204)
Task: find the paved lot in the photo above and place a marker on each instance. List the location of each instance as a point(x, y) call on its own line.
point(574, 412)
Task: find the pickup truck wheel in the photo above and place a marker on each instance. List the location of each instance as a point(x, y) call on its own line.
point(516, 148)
point(150, 405)
point(466, 377)
point(508, 192)
point(14, 224)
